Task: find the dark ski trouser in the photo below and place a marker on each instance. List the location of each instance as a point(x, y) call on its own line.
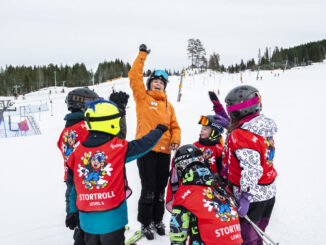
point(259, 213)
point(114, 238)
point(79, 236)
point(154, 173)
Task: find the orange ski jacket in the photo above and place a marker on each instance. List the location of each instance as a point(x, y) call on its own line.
point(152, 108)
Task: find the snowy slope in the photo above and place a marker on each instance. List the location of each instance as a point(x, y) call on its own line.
point(32, 207)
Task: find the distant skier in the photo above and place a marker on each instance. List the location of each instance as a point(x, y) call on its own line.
point(152, 107)
point(98, 201)
point(199, 211)
point(74, 132)
point(249, 151)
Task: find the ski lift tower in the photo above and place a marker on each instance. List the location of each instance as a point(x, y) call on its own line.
point(5, 106)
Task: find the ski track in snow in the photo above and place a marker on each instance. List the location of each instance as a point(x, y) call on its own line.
point(32, 206)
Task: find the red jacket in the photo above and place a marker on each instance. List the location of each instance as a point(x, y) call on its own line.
point(211, 154)
point(218, 221)
point(67, 145)
point(99, 175)
point(240, 139)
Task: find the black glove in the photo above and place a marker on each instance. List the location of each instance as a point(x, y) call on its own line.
point(162, 127)
point(72, 220)
point(121, 99)
point(143, 47)
point(212, 96)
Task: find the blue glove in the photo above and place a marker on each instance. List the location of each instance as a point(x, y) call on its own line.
point(244, 204)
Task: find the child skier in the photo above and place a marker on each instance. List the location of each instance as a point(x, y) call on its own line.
point(199, 211)
point(98, 191)
point(211, 142)
point(74, 132)
point(249, 153)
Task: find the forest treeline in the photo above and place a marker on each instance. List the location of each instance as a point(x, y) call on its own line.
point(24, 79)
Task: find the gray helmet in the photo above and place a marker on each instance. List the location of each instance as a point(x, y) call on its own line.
point(242, 101)
point(76, 98)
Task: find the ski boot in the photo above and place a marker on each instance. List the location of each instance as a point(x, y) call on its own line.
point(160, 228)
point(148, 231)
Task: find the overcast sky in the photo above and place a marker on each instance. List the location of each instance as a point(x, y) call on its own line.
point(39, 32)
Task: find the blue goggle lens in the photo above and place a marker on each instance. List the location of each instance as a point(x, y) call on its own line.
point(160, 73)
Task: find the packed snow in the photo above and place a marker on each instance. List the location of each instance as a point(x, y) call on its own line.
point(32, 209)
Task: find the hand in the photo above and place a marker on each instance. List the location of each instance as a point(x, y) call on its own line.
point(72, 220)
point(120, 98)
point(143, 48)
point(244, 204)
point(174, 146)
point(212, 96)
point(162, 127)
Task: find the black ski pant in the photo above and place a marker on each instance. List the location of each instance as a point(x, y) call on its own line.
point(112, 238)
point(154, 173)
point(79, 236)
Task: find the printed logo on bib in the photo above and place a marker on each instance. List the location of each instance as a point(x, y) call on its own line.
point(69, 143)
point(93, 169)
point(219, 205)
point(269, 141)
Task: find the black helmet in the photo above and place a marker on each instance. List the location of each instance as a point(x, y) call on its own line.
point(185, 156)
point(76, 98)
point(158, 74)
point(210, 121)
point(242, 101)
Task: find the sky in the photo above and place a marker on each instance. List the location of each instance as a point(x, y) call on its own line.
point(40, 32)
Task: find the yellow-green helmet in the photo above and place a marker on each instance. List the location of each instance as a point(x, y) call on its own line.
point(104, 116)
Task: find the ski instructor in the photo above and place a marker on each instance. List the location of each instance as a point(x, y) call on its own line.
point(152, 107)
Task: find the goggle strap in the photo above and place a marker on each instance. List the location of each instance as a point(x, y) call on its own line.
point(98, 119)
point(243, 105)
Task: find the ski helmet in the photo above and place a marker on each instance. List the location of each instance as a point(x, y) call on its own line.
point(210, 121)
point(242, 101)
point(186, 156)
point(76, 98)
point(104, 116)
point(158, 74)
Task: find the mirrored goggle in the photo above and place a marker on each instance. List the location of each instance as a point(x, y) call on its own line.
point(160, 73)
point(204, 121)
point(184, 163)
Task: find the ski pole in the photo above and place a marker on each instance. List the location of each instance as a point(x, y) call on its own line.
point(267, 239)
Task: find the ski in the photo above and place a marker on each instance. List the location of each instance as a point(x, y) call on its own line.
point(134, 238)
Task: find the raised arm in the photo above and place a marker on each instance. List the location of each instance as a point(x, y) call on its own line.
point(136, 74)
point(220, 114)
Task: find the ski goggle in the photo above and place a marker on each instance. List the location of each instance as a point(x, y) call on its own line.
point(162, 74)
point(182, 164)
point(204, 121)
point(245, 104)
